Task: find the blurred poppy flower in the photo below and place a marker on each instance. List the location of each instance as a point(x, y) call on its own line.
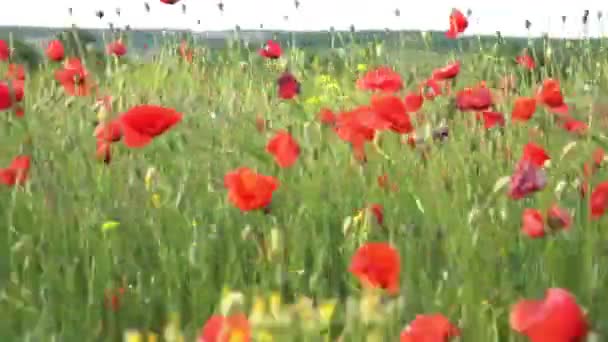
point(491, 119)
point(377, 265)
point(382, 79)
point(110, 131)
point(74, 78)
point(6, 100)
point(17, 172)
point(431, 89)
point(385, 183)
point(16, 72)
point(527, 179)
point(413, 101)
point(458, 24)
point(186, 52)
point(55, 50)
point(284, 148)
point(327, 117)
point(170, 2)
point(248, 190)
point(447, 72)
point(234, 328)
point(117, 48)
point(551, 96)
point(5, 51)
point(558, 218)
point(533, 224)
point(475, 99)
point(103, 151)
point(289, 87)
point(574, 126)
point(357, 127)
point(391, 113)
point(599, 200)
point(271, 50)
point(113, 298)
point(535, 153)
point(429, 328)
point(557, 317)
point(523, 109)
point(526, 61)
point(141, 124)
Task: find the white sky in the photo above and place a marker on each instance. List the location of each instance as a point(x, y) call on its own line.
point(488, 16)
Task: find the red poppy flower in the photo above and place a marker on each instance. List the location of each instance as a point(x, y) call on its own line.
point(458, 24)
point(575, 126)
point(248, 190)
point(110, 131)
point(526, 61)
point(117, 48)
point(378, 211)
point(55, 50)
point(284, 148)
point(377, 265)
point(74, 78)
point(448, 72)
point(5, 51)
point(141, 124)
point(558, 218)
point(358, 127)
point(523, 109)
point(431, 89)
point(492, 119)
point(384, 182)
point(599, 200)
point(555, 318)
point(186, 52)
point(476, 99)
point(6, 99)
point(327, 117)
point(289, 87)
point(551, 96)
point(391, 113)
point(533, 224)
point(527, 179)
point(413, 101)
point(17, 172)
point(429, 328)
point(535, 153)
point(271, 50)
point(382, 78)
point(234, 328)
point(170, 2)
point(16, 72)
point(103, 151)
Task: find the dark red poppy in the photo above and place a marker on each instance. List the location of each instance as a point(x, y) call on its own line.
point(599, 200)
point(271, 50)
point(474, 99)
point(117, 48)
point(533, 224)
point(226, 329)
point(447, 72)
point(289, 87)
point(526, 61)
point(170, 2)
point(6, 99)
point(556, 318)
point(55, 50)
point(248, 190)
point(429, 328)
point(391, 113)
point(5, 51)
point(377, 265)
point(74, 78)
point(284, 148)
point(535, 154)
point(414, 101)
point(550, 95)
point(141, 124)
point(527, 179)
point(558, 218)
point(491, 119)
point(458, 24)
point(378, 211)
point(17, 172)
point(523, 109)
point(16, 72)
point(381, 79)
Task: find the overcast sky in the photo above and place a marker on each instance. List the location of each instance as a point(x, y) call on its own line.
point(508, 16)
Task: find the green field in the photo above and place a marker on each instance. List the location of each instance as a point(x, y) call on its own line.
point(171, 248)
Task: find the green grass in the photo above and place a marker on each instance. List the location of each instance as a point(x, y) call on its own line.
point(56, 261)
